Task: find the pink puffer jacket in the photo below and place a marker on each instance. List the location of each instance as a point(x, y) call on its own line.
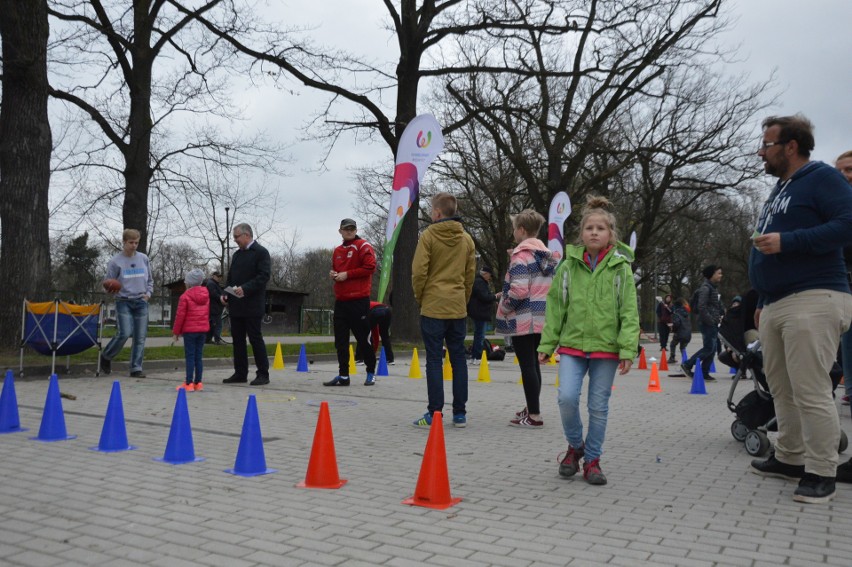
point(193, 312)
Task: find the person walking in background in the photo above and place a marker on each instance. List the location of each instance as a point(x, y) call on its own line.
point(804, 305)
point(133, 270)
point(710, 312)
point(520, 312)
point(442, 275)
point(664, 320)
point(681, 328)
point(378, 322)
point(214, 289)
point(352, 268)
point(592, 321)
point(844, 166)
point(246, 301)
point(480, 309)
point(192, 321)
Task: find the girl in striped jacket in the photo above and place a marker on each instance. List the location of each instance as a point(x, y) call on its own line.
point(521, 309)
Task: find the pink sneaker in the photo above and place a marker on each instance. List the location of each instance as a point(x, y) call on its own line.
point(527, 422)
point(844, 401)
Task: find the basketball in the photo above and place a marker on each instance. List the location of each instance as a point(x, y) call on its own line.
point(112, 285)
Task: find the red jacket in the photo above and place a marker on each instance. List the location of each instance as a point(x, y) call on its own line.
point(193, 312)
point(357, 259)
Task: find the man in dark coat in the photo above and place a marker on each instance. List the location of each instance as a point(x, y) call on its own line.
point(214, 335)
point(246, 300)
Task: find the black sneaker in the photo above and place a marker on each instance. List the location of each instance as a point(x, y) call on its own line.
point(844, 472)
point(260, 381)
point(774, 468)
point(708, 378)
point(686, 370)
point(106, 365)
point(234, 379)
point(137, 374)
point(814, 489)
point(570, 465)
point(337, 381)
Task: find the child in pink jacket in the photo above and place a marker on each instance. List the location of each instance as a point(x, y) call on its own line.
point(193, 321)
point(520, 312)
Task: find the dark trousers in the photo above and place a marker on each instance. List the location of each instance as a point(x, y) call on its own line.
point(526, 349)
point(352, 316)
point(709, 336)
point(381, 317)
point(240, 327)
point(215, 332)
point(193, 350)
point(435, 332)
point(663, 330)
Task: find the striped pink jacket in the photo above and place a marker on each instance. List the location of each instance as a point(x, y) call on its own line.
point(525, 287)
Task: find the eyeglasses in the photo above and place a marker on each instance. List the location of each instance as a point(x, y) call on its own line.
point(766, 145)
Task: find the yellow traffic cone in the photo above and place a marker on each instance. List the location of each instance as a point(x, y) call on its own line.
point(414, 371)
point(352, 369)
point(484, 372)
point(278, 363)
point(552, 359)
point(516, 359)
point(448, 368)
point(521, 379)
point(557, 381)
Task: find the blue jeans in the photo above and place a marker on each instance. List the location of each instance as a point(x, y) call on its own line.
point(132, 320)
point(478, 337)
point(709, 336)
point(572, 370)
point(435, 331)
point(193, 350)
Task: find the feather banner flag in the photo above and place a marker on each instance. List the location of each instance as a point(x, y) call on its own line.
point(420, 144)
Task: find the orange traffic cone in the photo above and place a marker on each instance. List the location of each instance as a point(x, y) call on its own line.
point(322, 468)
point(664, 363)
point(433, 484)
point(654, 381)
point(643, 365)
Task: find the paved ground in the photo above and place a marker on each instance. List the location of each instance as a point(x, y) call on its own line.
point(679, 492)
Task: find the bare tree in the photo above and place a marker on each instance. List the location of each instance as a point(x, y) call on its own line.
point(132, 71)
point(25, 144)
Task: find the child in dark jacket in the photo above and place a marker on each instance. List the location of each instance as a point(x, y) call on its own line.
point(681, 328)
point(192, 320)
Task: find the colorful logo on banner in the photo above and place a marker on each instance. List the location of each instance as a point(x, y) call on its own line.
point(560, 209)
point(414, 154)
point(422, 142)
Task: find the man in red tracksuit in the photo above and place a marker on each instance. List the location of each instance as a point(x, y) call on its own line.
point(352, 268)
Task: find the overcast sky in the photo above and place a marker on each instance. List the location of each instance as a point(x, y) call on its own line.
point(808, 45)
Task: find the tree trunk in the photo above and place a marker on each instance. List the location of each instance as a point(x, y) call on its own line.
point(25, 147)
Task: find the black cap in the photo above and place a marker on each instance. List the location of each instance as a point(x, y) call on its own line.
point(217, 273)
point(487, 269)
point(346, 223)
point(709, 270)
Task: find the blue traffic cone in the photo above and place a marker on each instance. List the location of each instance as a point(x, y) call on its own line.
point(713, 365)
point(698, 380)
point(683, 356)
point(733, 370)
point(251, 460)
point(114, 433)
point(302, 366)
point(382, 369)
point(10, 422)
point(179, 447)
point(53, 419)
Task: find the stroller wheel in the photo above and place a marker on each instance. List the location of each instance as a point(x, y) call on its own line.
point(844, 442)
point(739, 430)
point(756, 443)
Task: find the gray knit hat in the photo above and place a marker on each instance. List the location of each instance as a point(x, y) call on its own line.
point(194, 277)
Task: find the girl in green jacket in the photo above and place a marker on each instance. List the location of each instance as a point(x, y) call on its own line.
point(592, 321)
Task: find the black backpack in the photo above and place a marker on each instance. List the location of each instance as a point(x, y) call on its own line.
point(492, 353)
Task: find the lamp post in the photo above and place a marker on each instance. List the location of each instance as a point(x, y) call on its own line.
point(227, 241)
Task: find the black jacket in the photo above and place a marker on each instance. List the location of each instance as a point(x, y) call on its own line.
point(250, 270)
point(216, 292)
point(481, 300)
point(710, 308)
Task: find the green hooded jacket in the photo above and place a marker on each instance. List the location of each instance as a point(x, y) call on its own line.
point(593, 311)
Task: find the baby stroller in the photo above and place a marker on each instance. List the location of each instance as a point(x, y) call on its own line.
point(755, 412)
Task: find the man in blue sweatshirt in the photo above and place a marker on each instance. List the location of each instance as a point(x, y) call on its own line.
point(804, 305)
point(132, 269)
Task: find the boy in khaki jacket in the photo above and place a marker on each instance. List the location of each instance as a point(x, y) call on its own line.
point(442, 277)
